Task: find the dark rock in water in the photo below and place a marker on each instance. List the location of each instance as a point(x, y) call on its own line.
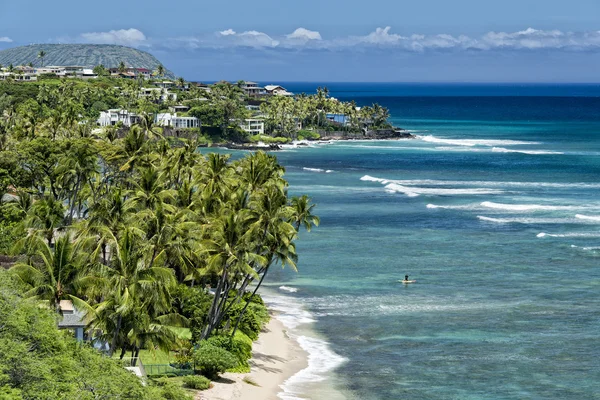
point(382, 134)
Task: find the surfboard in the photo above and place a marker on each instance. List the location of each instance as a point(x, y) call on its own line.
point(407, 282)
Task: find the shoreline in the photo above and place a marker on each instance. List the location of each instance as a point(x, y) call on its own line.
point(276, 357)
point(389, 134)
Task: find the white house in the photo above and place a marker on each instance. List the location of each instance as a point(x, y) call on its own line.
point(86, 73)
point(174, 121)
point(253, 126)
point(114, 116)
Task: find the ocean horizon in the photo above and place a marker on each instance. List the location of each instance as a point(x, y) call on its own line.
point(494, 210)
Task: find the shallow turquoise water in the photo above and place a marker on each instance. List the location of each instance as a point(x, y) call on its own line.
point(495, 211)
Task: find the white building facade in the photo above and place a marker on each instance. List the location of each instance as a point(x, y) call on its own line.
point(174, 121)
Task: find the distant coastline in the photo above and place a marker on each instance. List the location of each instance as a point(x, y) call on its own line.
point(382, 134)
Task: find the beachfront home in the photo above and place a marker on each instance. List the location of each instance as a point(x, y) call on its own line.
point(114, 116)
point(276, 90)
point(253, 126)
point(72, 319)
point(252, 89)
point(341, 119)
point(175, 121)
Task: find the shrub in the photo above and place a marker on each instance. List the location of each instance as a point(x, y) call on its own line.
point(197, 382)
point(213, 360)
point(307, 134)
point(240, 346)
point(171, 391)
point(254, 298)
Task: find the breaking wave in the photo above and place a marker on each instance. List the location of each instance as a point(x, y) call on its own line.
point(523, 207)
point(327, 171)
point(474, 142)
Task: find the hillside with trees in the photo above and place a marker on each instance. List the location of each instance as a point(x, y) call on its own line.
point(85, 55)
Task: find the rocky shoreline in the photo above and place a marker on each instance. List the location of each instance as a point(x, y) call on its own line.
point(382, 134)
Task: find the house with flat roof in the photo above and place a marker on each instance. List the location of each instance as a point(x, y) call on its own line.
point(175, 121)
point(252, 89)
point(254, 126)
point(114, 116)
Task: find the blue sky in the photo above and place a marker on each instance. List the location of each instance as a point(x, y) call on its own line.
point(333, 40)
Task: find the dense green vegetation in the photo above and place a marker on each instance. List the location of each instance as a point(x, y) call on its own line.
point(87, 55)
point(286, 116)
point(135, 228)
point(37, 361)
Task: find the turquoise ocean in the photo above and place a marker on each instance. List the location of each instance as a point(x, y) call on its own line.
point(494, 209)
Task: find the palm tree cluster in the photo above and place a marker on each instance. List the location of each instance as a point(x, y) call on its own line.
point(285, 115)
point(116, 224)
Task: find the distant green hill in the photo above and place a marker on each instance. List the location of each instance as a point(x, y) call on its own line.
point(87, 55)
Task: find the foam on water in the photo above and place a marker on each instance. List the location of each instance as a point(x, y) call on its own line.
point(317, 170)
point(524, 207)
point(536, 220)
point(588, 217)
point(412, 191)
point(503, 150)
point(463, 207)
point(570, 235)
point(321, 359)
point(474, 142)
point(592, 248)
point(503, 184)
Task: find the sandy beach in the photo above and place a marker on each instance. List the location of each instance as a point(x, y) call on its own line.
point(275, 358)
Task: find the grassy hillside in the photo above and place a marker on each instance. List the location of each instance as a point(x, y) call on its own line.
point(80, 54)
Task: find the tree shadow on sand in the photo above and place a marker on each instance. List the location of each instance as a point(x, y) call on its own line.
point(268, 357)
point(225, 381)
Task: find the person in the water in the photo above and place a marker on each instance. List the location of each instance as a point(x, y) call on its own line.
point(406, 277)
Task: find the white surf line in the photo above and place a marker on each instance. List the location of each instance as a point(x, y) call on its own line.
point(474, 142)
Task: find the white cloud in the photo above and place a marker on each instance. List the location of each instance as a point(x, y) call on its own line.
point(228, 32)
point(5, 39)
point(382, 37)
point(231, 38)
point(127, 37)
point(304, 34)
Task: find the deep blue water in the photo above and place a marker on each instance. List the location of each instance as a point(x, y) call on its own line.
point(494, 210)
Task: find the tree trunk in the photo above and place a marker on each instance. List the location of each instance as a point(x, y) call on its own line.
point(248, 302)
point(212, 311)
point(114, 340)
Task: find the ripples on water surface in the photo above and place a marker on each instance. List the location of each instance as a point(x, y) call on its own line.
point(495, 211)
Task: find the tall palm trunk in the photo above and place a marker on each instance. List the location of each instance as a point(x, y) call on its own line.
point(114, 340)
point(213, 306)
point(249, 301)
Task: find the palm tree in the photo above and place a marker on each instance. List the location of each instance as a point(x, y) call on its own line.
point(122, 68)
point(160, 70)
point(54, 273)
point(180, 82)
point(45, 216)
point(80, 162)
point(41, 55)
point(302, 213)
point(137, 289)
